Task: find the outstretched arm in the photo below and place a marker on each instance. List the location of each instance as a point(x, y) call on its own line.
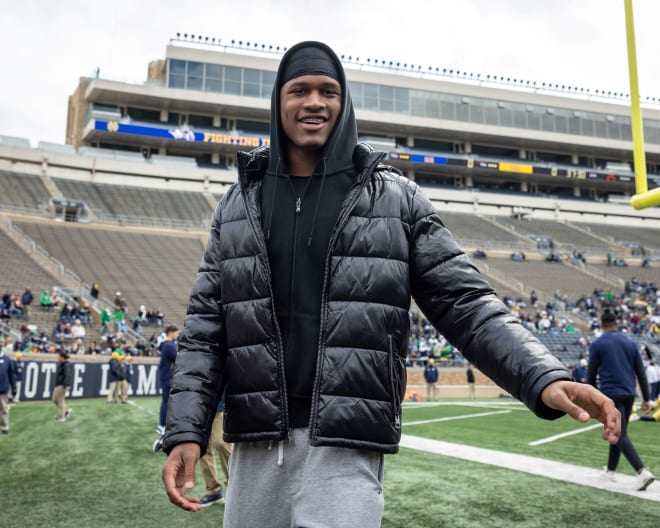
point(582, 401)
point(179, 475)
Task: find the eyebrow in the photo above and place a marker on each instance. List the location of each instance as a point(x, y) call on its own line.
point(326, 84)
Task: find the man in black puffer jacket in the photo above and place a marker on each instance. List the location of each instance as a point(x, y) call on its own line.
point(300, 315)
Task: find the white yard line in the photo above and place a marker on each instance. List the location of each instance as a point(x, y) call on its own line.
point(584, 476)
point(459, 417)
point(564, 435)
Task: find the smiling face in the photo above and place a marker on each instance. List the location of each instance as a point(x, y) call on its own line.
point(309, 108)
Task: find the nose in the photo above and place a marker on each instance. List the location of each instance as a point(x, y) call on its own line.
point(314, 101)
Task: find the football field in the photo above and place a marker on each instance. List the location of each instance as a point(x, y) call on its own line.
point(488, 463)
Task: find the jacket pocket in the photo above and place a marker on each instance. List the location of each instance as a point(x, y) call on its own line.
point(397, 373)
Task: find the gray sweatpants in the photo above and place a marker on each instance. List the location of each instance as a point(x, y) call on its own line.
point(293, 485)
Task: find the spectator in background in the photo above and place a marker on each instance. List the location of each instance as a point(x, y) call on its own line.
point(94, 291)
point(78, 347)
point(7, 388)
point(93, 348)
point(106, 317)
point(119, 318)
point(128, 378)
point(615, 359)
point(580, 371)
point(26, 300)
point(45, 301)
point(84, 313)
point(168, 350)
point(19, 366)
point(120, 302)
point(471, 382)
point(54, 299)
point(63, 380)
point(78, 330)
point(653, 377)
point(431, 376)
point(114, 377)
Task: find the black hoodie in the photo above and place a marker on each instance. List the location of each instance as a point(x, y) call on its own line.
point(298, 242)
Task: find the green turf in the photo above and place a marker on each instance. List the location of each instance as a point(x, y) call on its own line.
point(97, 470)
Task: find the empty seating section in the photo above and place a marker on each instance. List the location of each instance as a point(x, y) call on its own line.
point(549, 276)
point(19, 271)
point(646, 236)
point(471, 227)
point(650, 274)
point(24, 190)
point(138, 202)
point(155, 270)
point(559, 232)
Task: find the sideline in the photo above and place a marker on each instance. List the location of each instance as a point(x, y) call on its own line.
point(584, 476)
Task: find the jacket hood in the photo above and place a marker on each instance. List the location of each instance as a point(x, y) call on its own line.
point(338, 150)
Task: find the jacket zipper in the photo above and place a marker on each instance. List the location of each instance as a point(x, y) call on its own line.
point(392, 367)
point(343, 218)
point(261, 242)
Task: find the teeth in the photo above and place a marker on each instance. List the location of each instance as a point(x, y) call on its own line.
point(313, 120)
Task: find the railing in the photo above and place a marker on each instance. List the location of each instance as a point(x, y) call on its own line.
point(146, 221)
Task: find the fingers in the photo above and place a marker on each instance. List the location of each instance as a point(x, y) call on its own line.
point(179, 476)
point(582, 402)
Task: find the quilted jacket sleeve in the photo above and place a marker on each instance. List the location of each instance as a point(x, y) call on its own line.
point(461, 305)
point(199, 370)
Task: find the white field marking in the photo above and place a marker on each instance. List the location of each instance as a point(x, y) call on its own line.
point(143, 409)
point(512, 406)
point(584, 476)
point(563, 435)
point(459, 417)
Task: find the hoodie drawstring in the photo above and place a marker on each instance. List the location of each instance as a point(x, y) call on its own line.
point(318, 201)
point(280, 451)
point(272, 200)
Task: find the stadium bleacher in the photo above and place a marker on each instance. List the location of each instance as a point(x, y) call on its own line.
point(152, 269)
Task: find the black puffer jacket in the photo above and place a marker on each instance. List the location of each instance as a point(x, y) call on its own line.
point(389, 244)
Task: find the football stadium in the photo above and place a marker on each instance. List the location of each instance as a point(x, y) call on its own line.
point(106, 230)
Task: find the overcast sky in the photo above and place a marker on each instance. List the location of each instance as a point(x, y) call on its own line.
point(48, 44)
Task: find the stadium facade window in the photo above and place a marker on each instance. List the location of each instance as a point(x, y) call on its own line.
point(258, 127)
point(177, 74)
point(232, 84)
point(233, 80)
point(370, 97)
point(402, 100)
point(195, 76)
point(213, 79)
point(600, 129)
point(613, 130)
point(462, 111)
point(386, 99)
point(548, 122)
point(356, 93)
point(491, 114)
point(251, 82)
point(561, 125)
point(267, 82)
point(476, 113)
point(200, 121)
point(519, 118)
point(143, 114)
point(505, 117)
